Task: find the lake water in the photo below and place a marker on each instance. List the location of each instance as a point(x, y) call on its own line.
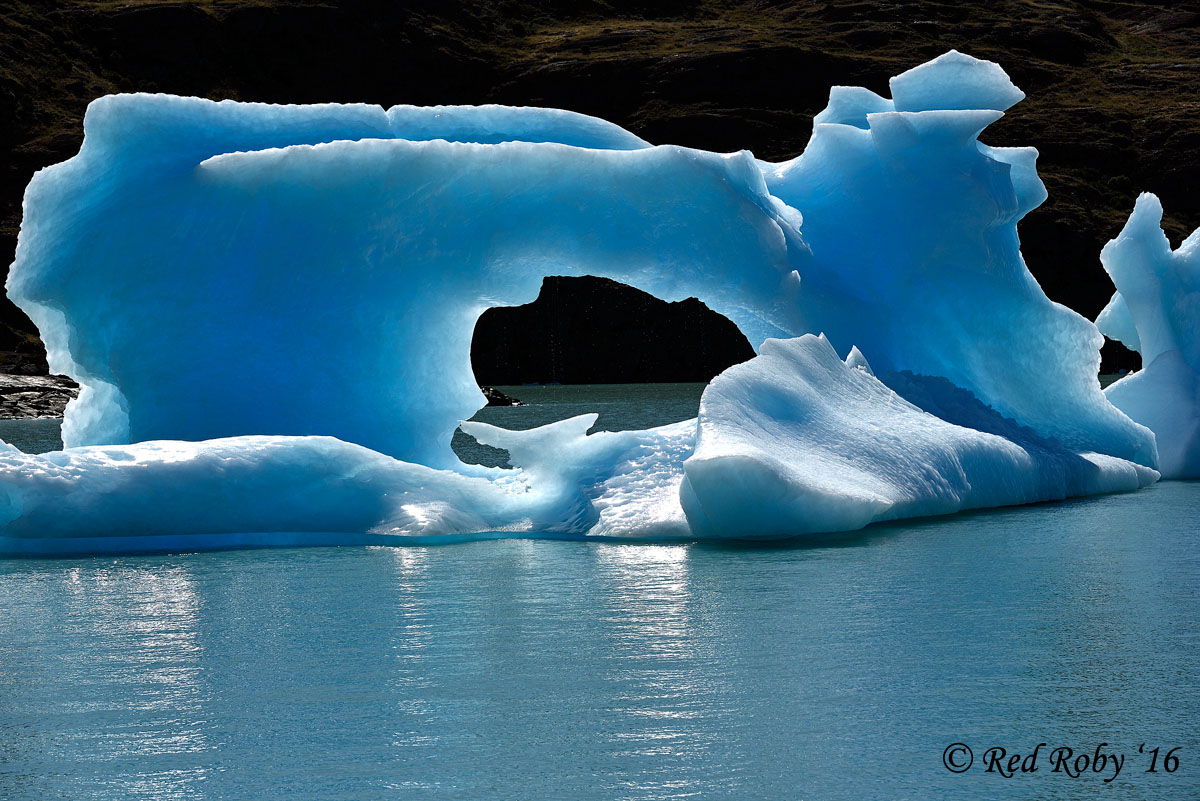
point(33, 436)
point(622, 407)
point(521, 669)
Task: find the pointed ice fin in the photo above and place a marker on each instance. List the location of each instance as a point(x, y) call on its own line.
point(856, 359)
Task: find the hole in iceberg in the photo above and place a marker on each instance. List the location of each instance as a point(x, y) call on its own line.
point(592, 344)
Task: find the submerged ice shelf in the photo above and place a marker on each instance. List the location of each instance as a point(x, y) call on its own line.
point(270, 310)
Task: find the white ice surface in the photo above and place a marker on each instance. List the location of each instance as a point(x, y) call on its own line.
point(259, 490)
point(796, 441)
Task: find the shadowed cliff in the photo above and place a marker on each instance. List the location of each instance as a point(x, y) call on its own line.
point(1113, 87)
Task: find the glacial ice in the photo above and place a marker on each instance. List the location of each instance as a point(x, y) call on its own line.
point(1156, 311)
point(912, 224)
point(796, 441)
point(270, 310)
point(275, 490)
point(333, 288)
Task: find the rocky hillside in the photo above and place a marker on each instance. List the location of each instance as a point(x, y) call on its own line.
point(1114, 87)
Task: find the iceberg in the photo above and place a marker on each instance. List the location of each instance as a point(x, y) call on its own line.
point(1156, 311)
point(270, 308)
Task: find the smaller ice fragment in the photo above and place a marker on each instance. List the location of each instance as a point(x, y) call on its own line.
point(1156, 311)
point(607, 484)
point(1165, 397)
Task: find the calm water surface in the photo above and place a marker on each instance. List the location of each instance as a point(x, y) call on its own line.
point(622, 407)
point(564, 670)
point(33, 436)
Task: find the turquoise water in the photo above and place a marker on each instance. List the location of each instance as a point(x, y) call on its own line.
point(564, 670)
point(33, 436)
point(521, 669)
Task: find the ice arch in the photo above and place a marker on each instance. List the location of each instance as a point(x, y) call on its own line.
point(206, 276)
point(214, 269)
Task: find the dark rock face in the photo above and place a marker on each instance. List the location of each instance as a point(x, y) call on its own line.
point(1113, 85)
point(27, 396)
point(592, 330)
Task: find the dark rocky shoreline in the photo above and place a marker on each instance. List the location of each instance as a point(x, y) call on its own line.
point(30, 397)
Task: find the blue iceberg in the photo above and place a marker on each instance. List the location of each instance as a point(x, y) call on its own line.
point(1156, 311)
point(269, 309)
